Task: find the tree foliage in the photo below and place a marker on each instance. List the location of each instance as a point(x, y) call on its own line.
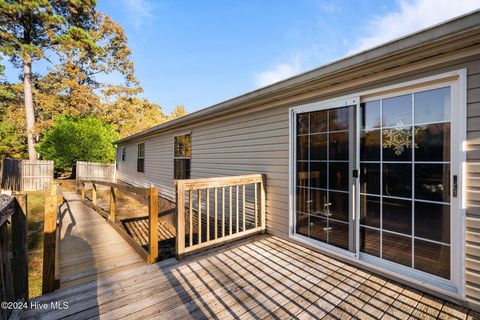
point(13, 141)
point(84, 139)
point(74, 35)
point(126, 114)
point(131, 114)
point(80, 43)
point(30, 28)
point(4, 88)
point(178, 112)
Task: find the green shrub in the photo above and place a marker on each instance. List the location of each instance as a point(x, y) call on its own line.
point(72, 139)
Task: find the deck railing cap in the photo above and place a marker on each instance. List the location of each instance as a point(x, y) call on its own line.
point(203, 183)
point(125, 187)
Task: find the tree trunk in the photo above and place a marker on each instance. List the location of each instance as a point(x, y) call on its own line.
point(27, 89)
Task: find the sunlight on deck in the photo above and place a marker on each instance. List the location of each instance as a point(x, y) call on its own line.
point(263, 277)
point(260, 277)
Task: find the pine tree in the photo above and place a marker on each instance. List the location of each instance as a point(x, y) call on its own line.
point(67, 32)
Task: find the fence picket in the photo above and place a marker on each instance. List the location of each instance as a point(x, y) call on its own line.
point(95, 171)
point(26, 175)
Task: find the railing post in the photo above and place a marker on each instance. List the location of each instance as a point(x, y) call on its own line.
point(19, 248)
point(83, 191)
point(180, 243)
point(153, 225)
point(94, 194)
point(113, 203)
point(59, 195)
point(263, 204)
point(49, 240)
point(6, 281)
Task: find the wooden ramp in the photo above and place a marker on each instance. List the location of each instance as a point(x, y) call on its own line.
point(263, 277)
point(89, 248)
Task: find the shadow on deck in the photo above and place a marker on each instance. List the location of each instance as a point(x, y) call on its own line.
point(137, 228)
point(89, 248)
point(262, 277)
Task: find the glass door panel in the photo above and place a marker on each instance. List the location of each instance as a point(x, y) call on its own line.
point(402, 147)
point(405, 180)
point(324, 162)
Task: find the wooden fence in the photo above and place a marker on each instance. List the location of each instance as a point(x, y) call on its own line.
point(26, 175)
point(95, 171)
point(216, 210)
point(150, 256)
point(13, 252)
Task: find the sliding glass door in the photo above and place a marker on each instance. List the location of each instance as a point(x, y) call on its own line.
point(405, 180)
point(373, 179)
point(324, 162)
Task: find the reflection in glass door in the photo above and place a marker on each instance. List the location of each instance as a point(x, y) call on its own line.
point(405, 180)
point(324, 162)
point(403, 192)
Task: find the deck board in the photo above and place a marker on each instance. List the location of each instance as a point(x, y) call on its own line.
point(261, 277)
point(88, 248)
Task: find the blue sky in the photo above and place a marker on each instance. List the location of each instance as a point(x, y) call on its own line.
point(198, 53)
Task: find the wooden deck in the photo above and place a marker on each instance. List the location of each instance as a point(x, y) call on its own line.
point(89, 248)
point(262, 277)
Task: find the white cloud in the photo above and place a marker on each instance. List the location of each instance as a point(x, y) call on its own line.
point(412, 16)
point(278, 72)
point(140, 11)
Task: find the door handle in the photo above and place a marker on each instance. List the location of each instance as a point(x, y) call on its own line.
point(355, 173)
point(308, 203)
point(455, 186)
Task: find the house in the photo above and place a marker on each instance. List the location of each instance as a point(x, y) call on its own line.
point(373, 158)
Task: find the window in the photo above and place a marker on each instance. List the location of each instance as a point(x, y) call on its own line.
point(405, 166)
point(141, 157)
point(124, 153)
point(181, 157)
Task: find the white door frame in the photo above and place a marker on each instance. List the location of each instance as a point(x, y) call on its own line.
point(325, 105)
point(457, 81)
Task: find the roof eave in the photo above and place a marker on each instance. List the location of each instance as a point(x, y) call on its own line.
point(435, 33)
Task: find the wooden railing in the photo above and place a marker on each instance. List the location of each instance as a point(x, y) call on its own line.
point(51, 237)
point(212, 211)
point(13, 251)
point(149, 256)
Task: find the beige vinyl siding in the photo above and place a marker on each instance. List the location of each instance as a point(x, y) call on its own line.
point(158, 164)
point(472, 262)
point(258, 142)
point(250, 143)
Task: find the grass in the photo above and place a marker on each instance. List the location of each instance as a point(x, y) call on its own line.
point(68, 185)
point(35, 208)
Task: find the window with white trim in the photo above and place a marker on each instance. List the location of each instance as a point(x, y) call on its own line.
point(141, 157)
point(181, 156)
